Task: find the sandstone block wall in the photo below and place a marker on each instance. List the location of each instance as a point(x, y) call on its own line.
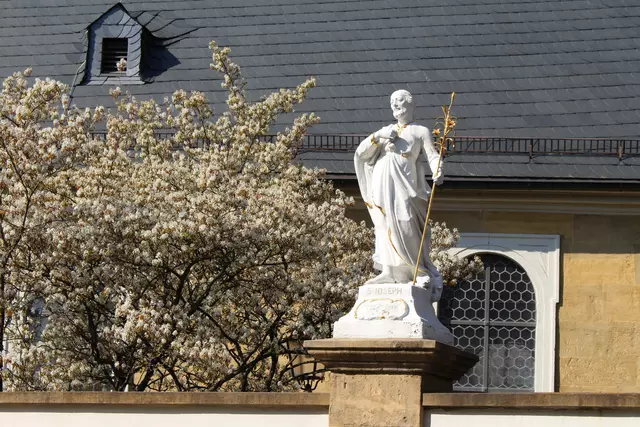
point(598, 345)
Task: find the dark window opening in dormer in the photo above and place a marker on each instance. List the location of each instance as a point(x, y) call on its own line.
point(117, 36)
point(113, 50)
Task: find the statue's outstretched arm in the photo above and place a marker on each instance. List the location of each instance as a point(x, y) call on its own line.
point(367, 148)
point(363, 160)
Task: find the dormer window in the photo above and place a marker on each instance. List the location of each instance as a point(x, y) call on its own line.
point(114, 50)
point(138, 43)
point(113, 37)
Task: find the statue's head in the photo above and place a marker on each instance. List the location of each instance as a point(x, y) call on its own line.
point(401, 104)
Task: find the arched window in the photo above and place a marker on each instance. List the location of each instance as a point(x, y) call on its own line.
point(494, 316)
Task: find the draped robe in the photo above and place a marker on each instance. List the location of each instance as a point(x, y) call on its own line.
point(394, 188)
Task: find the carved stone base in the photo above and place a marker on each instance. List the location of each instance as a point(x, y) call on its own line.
point(398, 310)
point(379, 382)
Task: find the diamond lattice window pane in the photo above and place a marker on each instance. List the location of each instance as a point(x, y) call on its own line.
point(511, 357)
point(464, 301)
point(470, 338)
point(493, 316)
point(511, 295)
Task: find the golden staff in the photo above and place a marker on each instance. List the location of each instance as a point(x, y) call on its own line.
point(447, 122)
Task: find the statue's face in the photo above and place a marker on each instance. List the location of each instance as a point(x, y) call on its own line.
point(399, 105)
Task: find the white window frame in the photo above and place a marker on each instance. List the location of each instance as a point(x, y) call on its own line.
point(539, 256)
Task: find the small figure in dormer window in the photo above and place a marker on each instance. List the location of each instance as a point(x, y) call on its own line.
point(122, 65)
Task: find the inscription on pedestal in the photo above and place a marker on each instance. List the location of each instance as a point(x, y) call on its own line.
point(381, 308)
point(380, 291)
point(393, 310)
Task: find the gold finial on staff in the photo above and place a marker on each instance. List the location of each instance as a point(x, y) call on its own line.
point(443, 127)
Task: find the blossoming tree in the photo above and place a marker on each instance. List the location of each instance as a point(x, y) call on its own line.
point(189, 262)
point(34, 161)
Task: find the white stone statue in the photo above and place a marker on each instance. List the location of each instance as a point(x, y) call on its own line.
point(393, 186)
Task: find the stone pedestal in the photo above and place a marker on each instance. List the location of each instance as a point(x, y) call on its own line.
point(379, 382)
point(398, 310)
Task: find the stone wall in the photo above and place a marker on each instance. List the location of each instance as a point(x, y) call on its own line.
point(81, 409)
point(529, 418)
point(531, 410)
point(598, 347)
point(598, 344)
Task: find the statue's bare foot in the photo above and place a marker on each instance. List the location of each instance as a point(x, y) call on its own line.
point(402, 274)
point(402, 277)
point(384, 277)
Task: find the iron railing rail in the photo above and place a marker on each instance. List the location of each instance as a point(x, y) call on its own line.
point(498, 145)
point(477, 144)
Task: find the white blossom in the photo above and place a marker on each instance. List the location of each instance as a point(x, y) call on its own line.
point(188, 262)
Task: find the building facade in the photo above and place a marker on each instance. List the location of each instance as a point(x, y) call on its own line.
point(544, 178)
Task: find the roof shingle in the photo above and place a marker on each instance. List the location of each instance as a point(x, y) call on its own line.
point(549, 68)
point(534, 68)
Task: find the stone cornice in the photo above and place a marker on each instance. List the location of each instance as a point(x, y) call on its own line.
point(320, 401)
point(391, 356)
point(550, 401)
point(530, 200)
point(254, 400)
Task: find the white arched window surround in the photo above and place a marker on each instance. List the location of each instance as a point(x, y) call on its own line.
point(539, 256)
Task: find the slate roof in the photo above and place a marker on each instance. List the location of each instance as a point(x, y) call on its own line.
point(543, 68)
point(521, 68)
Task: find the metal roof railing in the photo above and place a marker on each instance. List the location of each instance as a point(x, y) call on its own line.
point(477, 144)
point(496, 145)
point(542, 146)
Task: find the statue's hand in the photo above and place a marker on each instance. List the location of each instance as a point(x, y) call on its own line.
point(438, 178)
point(389, 147)
point(388, 132)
